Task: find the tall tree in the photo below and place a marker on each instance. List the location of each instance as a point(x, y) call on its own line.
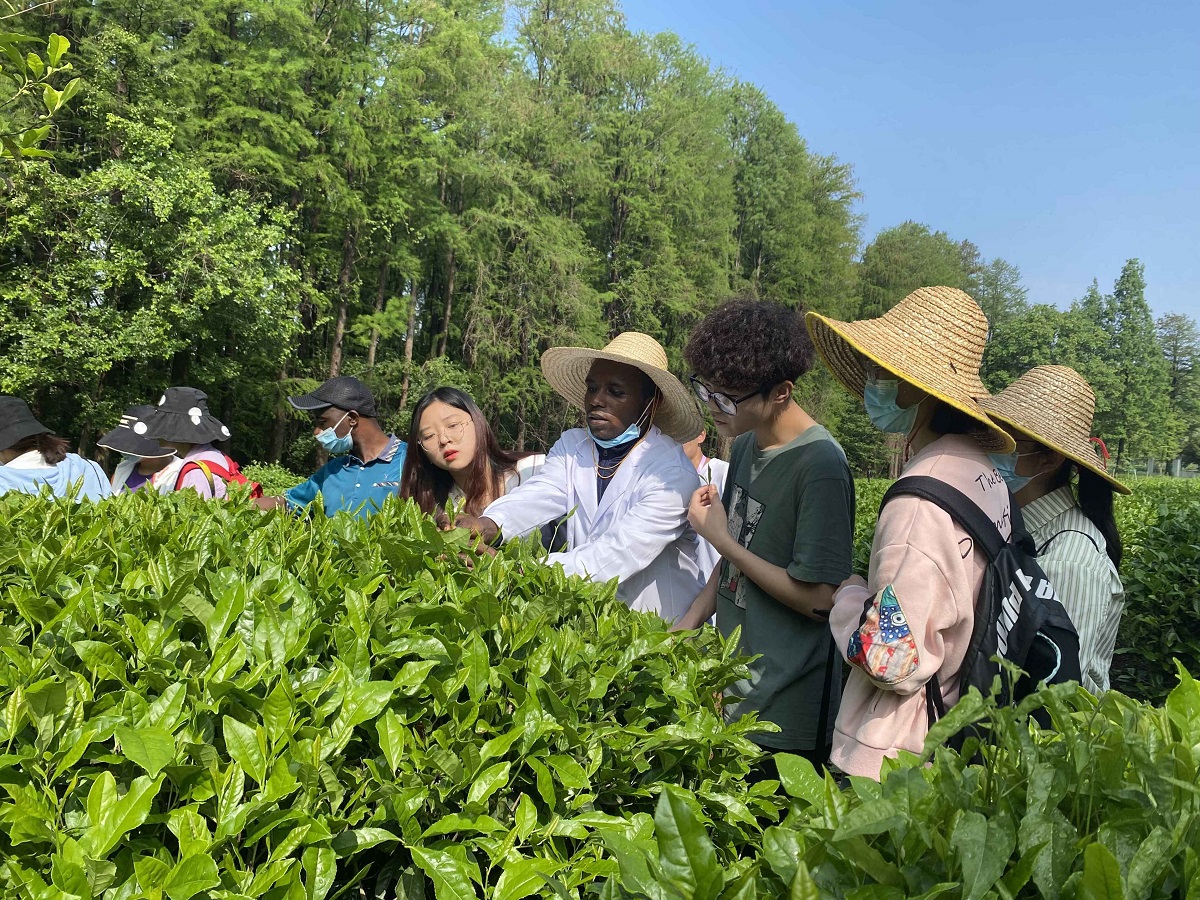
point(1132, 409)
point(1179, 337)
point(899, 260)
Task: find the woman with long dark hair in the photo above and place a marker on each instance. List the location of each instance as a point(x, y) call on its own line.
point(453, 455)
point(1066, 499)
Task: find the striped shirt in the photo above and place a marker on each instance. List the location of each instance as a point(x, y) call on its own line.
point(1083, 576)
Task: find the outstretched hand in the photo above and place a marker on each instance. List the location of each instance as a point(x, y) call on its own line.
point(707, 515)
point(480, 526)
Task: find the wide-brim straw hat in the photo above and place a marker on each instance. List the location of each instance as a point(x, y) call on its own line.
point(566, 370)
point(182, 416)
point(932, 339)
point(124, 438)
point(1053, 405)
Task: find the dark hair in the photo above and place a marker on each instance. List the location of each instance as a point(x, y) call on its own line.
point(948, 419)
point(1095, 498)
point(53, 449)
point(749, 344)
point(429, 485)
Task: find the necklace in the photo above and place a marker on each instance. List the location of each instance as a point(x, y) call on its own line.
point(606, 471)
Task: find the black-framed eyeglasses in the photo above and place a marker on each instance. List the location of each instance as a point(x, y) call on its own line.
point(724, 402)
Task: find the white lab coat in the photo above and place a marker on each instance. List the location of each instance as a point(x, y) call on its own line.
point(719, 471)
point(638, 533)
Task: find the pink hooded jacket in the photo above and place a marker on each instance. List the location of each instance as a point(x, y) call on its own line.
point(915, 615)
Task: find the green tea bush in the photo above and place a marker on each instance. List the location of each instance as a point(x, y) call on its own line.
point(274, 479)
point(198, 700)
point(1162, 601)
point(1104, 806)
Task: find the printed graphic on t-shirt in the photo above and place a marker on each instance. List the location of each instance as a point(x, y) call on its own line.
point(744, 515)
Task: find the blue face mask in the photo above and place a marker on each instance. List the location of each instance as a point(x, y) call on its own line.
point(334, 444)
point(632, 433)
point(879, 400)
point(1006, 465)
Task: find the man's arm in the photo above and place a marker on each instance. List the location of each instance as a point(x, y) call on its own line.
point(703, 607)
point(536, 501)
point(707, 516)
point(298, 497)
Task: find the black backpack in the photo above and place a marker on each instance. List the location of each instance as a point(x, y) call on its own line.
point(1018, 617)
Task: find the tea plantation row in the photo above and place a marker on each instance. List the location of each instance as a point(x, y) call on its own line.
point(199, 701)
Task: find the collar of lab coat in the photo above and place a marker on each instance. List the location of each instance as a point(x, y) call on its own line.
point(619, 483)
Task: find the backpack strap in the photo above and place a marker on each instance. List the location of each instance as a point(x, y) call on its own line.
point(204, 467)
point(209, 469)
point(1042, 549)
point(961, 508)
point(823, 718)
point(935, 706)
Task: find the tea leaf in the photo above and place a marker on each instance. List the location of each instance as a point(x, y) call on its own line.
point(246, 747)
point(688, 858)
point(191, 876)
point(153, 749)
point(1101, 875)
point(450, 877)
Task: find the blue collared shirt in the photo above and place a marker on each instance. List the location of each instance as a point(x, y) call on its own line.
point(347, 483)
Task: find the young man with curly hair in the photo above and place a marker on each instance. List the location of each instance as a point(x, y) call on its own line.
point(786, 542)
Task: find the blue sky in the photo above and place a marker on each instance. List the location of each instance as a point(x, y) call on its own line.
point(1061, 136)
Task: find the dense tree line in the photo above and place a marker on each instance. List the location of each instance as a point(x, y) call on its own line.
point(250, 195)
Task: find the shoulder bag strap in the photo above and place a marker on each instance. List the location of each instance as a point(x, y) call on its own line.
point(203, 467)
point(961, 508)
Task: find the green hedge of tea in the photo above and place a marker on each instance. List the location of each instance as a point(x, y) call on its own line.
point(199, 701)
point(204, 701)
point(1105, 806)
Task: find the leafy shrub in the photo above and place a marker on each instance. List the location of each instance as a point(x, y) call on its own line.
point(1162, 603)
point(274, 479)
point(868, 494)
point(203, 700)
point(1107, 805)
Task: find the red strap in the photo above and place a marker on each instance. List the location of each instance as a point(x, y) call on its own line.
point(230, 474)
point(192, 466)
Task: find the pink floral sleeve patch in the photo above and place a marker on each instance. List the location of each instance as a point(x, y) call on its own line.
point(883, 645)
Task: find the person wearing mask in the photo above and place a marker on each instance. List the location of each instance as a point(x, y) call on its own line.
point(366, 463)
point(906, 628)
point(32, 458)
point(182, 423)
point(623, 478)
point(456, 456)
point(141, 457)
point(1066, 499)
point(784, 528)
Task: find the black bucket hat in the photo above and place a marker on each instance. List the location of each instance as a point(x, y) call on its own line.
point(125, 438)
point(18, 422)
point(182, 415)
point(345, 392)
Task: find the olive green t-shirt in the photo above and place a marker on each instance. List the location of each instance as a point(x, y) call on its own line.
point(794, 507)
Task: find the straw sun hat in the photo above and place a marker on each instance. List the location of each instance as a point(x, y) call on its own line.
point(566, 370)
point(1054, 406)
point(932, 339)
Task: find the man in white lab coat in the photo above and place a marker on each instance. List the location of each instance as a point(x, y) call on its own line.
point(624, 479)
